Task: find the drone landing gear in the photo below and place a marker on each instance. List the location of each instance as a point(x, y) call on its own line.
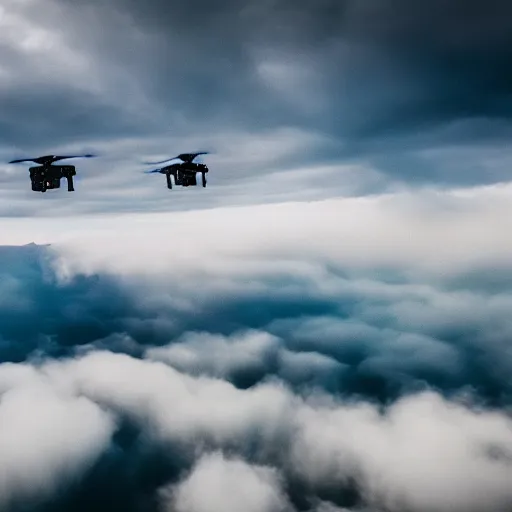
point(68, 171)
point(204, 179)
point(169, 182)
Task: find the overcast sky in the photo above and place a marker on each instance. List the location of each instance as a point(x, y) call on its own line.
point(294, 100)
point(326, 327)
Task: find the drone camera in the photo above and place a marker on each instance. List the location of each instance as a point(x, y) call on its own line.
point(189, 180)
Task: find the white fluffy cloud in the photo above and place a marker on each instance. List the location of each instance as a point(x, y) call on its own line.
point(48, 437)
point(242, 353)
point(230, 485)
point(173, 405)
point(439, 233)
point(442, 233)
point(200, 352)
point(383, 269)
point(422, 453)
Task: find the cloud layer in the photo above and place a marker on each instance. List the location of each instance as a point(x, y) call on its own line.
point(317, 354)
point(297, 450)
point(314, 367)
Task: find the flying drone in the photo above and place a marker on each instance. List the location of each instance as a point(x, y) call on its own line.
point(184, 172)
point(46, 176)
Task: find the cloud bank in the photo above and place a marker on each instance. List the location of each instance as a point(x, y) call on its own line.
point(196, 361)
point(422, 452)
point(313, 355)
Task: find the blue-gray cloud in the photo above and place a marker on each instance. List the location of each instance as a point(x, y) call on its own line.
point(241, 357)
point(279, 372)
point(422, 94)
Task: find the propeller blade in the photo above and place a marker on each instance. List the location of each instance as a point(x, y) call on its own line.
point(152, 171)
point(161, 162)
point(21, 160)
point(48, 159)
point(185, 157)
point(57, 157)
point(188, 157)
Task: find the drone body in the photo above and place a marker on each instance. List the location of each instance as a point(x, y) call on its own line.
point(184, 173)
point(46, 176)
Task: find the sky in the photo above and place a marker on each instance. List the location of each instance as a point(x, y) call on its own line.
point(294, 100)
point(325, 327)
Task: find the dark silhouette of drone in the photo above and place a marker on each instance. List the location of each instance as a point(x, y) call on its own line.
point(46, 176)
point(184, 172)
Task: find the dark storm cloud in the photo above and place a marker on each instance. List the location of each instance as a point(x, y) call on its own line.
point(383, 81)
point(40, 117)
point(434, 63)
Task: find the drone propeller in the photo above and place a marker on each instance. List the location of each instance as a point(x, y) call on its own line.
point(186, 157)
point(152, 171)
point(49, 159)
